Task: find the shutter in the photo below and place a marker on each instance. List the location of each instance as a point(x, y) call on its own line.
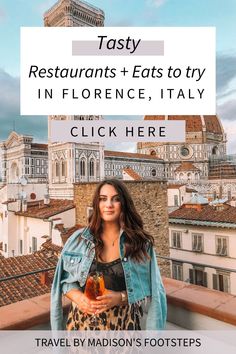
point(218, 246)
point(191, 276)
point(194, 243)
point(215, 281)
point(205, 279)
point(226, 283)
point(224, 247)
point(199, 243)
point(174, 271)
point(179, 240)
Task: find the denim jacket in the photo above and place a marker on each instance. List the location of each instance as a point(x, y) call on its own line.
point(142, 280)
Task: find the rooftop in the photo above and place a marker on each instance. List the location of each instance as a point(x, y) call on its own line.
point(43, 211)
point(39, 146)
point(174, 186)
point(186, 166)
point(134, 175)
point(195, 123)
point(83, 3)
point(66, 232)
point(226, 214)
point(197, 199)
point(189, 306)
point(15, 290)
point(108, 153)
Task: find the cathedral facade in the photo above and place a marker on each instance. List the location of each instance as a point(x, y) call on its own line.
point(190, 161)
point(73, 162)
point(21, 157)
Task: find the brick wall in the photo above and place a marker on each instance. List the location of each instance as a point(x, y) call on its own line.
point(150, 199)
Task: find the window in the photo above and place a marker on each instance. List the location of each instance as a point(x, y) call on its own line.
point(27, 161)
point(154, 172)
point(177, 271)
point(37, 162)
point(82, 168)
point(5, 247)
point(21, 246)
point(197, 276)
point(27, 170)
point(34, 244)
point(221, 281)
point(197, 242)
point(184, 151)
point(176, 239)
point(176, 200)
point(63, 168)
point(221, 246)
point(77, 167)
point(57, 169)
point(91, 168)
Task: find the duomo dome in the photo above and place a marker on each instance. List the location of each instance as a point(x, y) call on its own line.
point(205, 139)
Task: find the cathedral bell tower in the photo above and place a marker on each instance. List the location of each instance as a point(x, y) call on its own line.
point(73, 162)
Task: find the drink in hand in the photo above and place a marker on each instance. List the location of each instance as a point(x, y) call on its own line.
point(95, 285)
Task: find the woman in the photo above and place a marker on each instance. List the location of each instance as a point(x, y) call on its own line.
point(116, 244)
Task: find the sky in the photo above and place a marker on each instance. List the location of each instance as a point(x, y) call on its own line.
point(166, 13)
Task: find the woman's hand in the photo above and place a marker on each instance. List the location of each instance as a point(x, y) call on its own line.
point(107, 301)
point(82, 301)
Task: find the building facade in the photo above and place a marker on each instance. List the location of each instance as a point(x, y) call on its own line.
point(149, 167)
point(203, 245)
point(24, 228)
point(21, 157)
point(73, 162)
point(189, 161)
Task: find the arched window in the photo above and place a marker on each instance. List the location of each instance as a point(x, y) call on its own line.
point(63, 168)
point(57, 169)
point(14, 172)
point(91, 168)
point(189, 176)
point(154, 172)
point(153, 153)
point(82, 168)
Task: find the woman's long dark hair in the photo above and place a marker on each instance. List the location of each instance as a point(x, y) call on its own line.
point(137, 239)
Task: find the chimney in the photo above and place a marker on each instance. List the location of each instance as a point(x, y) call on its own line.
point(24, 205)
point(46, 199)
point(44, 279)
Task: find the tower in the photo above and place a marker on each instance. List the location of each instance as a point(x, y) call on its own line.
point(73, 162)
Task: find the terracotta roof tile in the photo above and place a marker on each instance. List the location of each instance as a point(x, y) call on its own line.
point(29, 286)
point(70, 230)
point(132, 173)
point(108, 153)
point(191, 190)
point(42, 211)
point(174, 186)
point(51, 247)
point(194, 123)
point(225, 213)
point(186, 166)
point(39, 146)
